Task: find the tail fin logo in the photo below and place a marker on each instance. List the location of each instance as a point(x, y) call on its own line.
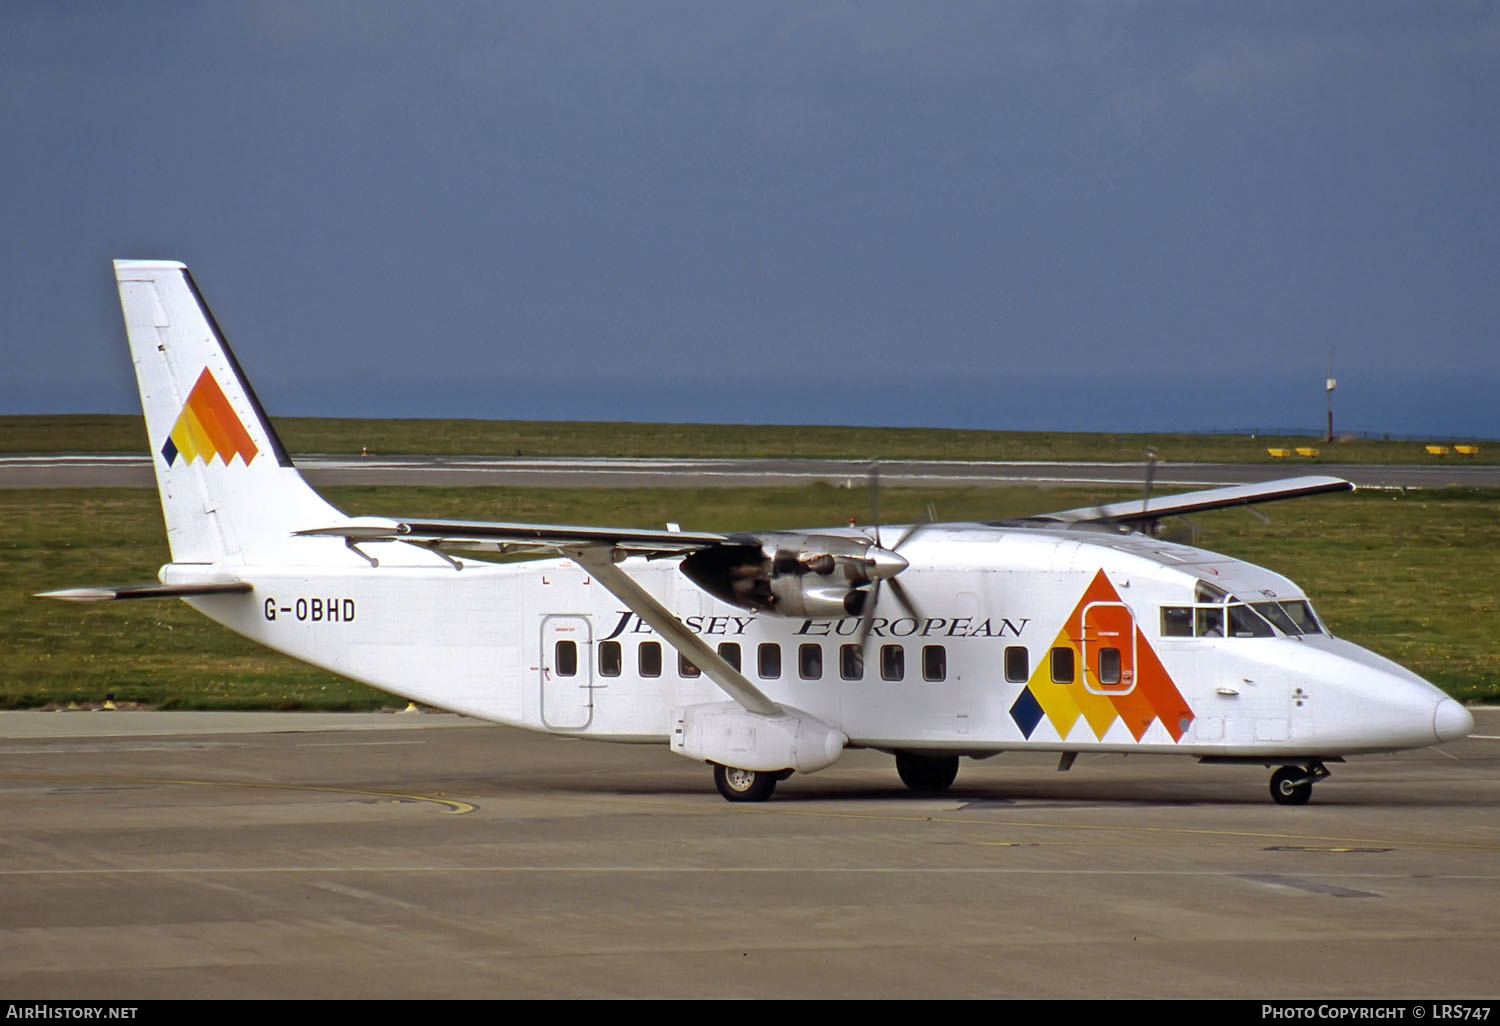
point(208, 427)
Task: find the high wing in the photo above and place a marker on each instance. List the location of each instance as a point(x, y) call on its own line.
point(506, 537)
point(1138, 513)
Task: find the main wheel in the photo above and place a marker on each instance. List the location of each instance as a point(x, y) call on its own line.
point(927, 774)
point(1290, 786)
point(742, 785)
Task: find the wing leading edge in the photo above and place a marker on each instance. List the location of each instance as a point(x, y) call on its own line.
point(507, 537)
point(1135, 512)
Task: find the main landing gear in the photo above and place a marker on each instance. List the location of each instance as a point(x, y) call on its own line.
point(742, 785)
point(927, 774)
point(1292, 785)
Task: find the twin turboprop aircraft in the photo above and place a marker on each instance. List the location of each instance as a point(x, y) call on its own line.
point(765, 653)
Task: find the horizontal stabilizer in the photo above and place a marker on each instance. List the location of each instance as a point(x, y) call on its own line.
point(136, 591)
point(1136, 511)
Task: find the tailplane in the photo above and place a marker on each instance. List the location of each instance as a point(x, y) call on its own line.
point(229, 491)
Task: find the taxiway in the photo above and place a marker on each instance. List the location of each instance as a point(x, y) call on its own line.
point(183, 855)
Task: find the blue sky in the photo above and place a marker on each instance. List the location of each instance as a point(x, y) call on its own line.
point(1113, 216)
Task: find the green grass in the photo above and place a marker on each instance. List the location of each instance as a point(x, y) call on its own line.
point(102, 433)
point(1410, 575)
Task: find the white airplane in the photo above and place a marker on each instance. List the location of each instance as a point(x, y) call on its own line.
point(767, 653)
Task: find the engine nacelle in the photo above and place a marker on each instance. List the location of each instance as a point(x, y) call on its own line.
point(791, 574)
point(730, 735)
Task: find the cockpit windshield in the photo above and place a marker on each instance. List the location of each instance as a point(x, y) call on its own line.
point(1218, 614)
point(1301, 612)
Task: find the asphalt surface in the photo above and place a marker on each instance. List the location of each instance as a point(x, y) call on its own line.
point(185, 855)
point(136, 472)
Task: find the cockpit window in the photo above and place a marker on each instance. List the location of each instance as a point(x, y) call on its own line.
point(1273, 612)
point(1177, 621)
point(1302, 615)
point(1209, 594)
point(1245, 622)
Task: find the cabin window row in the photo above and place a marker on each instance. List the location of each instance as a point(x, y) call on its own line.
point(768, 661)
point(851, 662)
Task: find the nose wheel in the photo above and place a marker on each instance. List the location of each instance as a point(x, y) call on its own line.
point(1292, 785)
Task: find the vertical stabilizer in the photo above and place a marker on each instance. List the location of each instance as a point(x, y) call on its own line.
point(228, 489)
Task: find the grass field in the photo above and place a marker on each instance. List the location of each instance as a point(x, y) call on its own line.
point(104, 433)
point(1410, 575)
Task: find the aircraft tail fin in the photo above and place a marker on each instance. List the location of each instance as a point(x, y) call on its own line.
point(229, 491)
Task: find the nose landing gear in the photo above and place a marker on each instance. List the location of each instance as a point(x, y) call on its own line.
point(1292, 785)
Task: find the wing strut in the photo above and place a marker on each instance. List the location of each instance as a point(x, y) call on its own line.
point(599, 560)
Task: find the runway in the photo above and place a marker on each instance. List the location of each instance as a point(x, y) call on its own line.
point(183, 855)
point(136, 472)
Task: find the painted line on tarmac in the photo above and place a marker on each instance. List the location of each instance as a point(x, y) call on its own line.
point(1191, 831)
point(1294, 883)
point(787, 870)
point(449, 806)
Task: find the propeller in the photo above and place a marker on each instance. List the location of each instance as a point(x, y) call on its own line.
point(867, 613)
point(1151, 457)
point(1183, 530)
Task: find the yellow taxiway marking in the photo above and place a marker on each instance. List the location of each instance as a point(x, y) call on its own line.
point(450, 806)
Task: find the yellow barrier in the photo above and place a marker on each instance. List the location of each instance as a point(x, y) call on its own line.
point(1279, 454)
point(1437, 450)
point(1466, 450)
point(1306, 450)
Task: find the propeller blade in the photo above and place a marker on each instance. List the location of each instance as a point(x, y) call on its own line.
point(867, 615)
point(905, 599)
point(1151, 457)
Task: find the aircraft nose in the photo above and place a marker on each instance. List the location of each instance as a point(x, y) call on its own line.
point(1451, 721)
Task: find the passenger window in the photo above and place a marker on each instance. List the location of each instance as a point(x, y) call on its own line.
point(1176, 621)
point(851, 662)
point(565, 661)
point(892, 662)
point(1062, 666)
point(729, 651)
point(1017, 664)
point(610, 660)
point(810, 662)
point(769, 658)
point(1109, 666)
point(934, 662)
point(650, 658)
point(685, 668)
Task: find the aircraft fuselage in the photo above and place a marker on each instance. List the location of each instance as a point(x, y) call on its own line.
point(1026, 638)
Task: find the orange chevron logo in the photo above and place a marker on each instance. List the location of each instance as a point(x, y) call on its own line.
point(1118, 676)
point(208, 427)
